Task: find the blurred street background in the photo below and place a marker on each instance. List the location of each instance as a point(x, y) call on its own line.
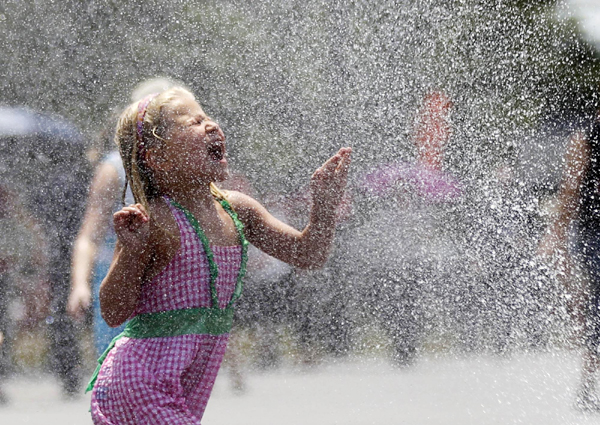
point(535, 389)
point(435, 307)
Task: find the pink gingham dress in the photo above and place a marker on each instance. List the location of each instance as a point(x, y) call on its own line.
point(168, 380)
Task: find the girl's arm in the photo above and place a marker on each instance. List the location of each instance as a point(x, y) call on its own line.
point(310, 247)
point(120, 289)
point(103, 191)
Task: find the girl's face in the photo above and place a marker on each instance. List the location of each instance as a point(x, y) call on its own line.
point(195, 146)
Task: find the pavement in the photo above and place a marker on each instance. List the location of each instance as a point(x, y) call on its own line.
point(525, 388)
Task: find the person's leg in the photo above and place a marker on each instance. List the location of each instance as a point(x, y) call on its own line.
point(590, 367)
point(235, 360)
point(65, 352)
point(396, 304)
point(587, 397)
point(4, 361)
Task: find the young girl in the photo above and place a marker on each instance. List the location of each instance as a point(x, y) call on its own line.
point(180, 259)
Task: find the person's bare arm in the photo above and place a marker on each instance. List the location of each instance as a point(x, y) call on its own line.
point(310, 247)
point(121, 288)
point(567, 201)
point(102, 194)
point(554, 244)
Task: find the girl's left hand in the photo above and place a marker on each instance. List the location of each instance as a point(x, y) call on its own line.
point(328, 183)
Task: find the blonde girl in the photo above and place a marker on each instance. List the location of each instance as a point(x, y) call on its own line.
point(180, 259)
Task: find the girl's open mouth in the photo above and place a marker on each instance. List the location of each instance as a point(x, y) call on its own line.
point(216, 150)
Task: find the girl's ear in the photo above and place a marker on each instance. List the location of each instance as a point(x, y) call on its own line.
point(157, 160)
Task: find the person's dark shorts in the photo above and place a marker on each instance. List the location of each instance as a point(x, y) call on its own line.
point(587, 250)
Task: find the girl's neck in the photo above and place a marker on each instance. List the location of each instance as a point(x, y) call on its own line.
point(193, 198)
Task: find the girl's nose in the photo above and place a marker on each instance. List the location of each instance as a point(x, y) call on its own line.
point(211, 126)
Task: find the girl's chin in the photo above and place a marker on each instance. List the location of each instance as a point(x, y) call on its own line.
point(222, 175)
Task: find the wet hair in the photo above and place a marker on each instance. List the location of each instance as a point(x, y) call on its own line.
point(150, 134)
point(154, 85)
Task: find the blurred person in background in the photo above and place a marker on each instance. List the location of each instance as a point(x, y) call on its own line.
point(503, 297)
point(23, 274)
point(402, 206)
point(43, 157)
point(573, 237)
point(94, 246)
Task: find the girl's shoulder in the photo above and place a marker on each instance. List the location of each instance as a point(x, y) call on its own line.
point(240, 202)
point(250, 211)
point(160, 211)
point(162, 222)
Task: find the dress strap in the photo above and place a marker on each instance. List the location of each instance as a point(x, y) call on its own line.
point(237, 293)
point(212, 265)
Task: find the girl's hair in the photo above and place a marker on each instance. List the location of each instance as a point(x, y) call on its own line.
point(143, 126)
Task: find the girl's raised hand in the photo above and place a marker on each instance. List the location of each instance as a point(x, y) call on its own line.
point(132, 226)
point(328, 182)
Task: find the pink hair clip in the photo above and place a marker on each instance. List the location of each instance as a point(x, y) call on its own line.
point(142, 107)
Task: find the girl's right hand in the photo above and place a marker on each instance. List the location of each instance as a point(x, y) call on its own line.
point(132, 226)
